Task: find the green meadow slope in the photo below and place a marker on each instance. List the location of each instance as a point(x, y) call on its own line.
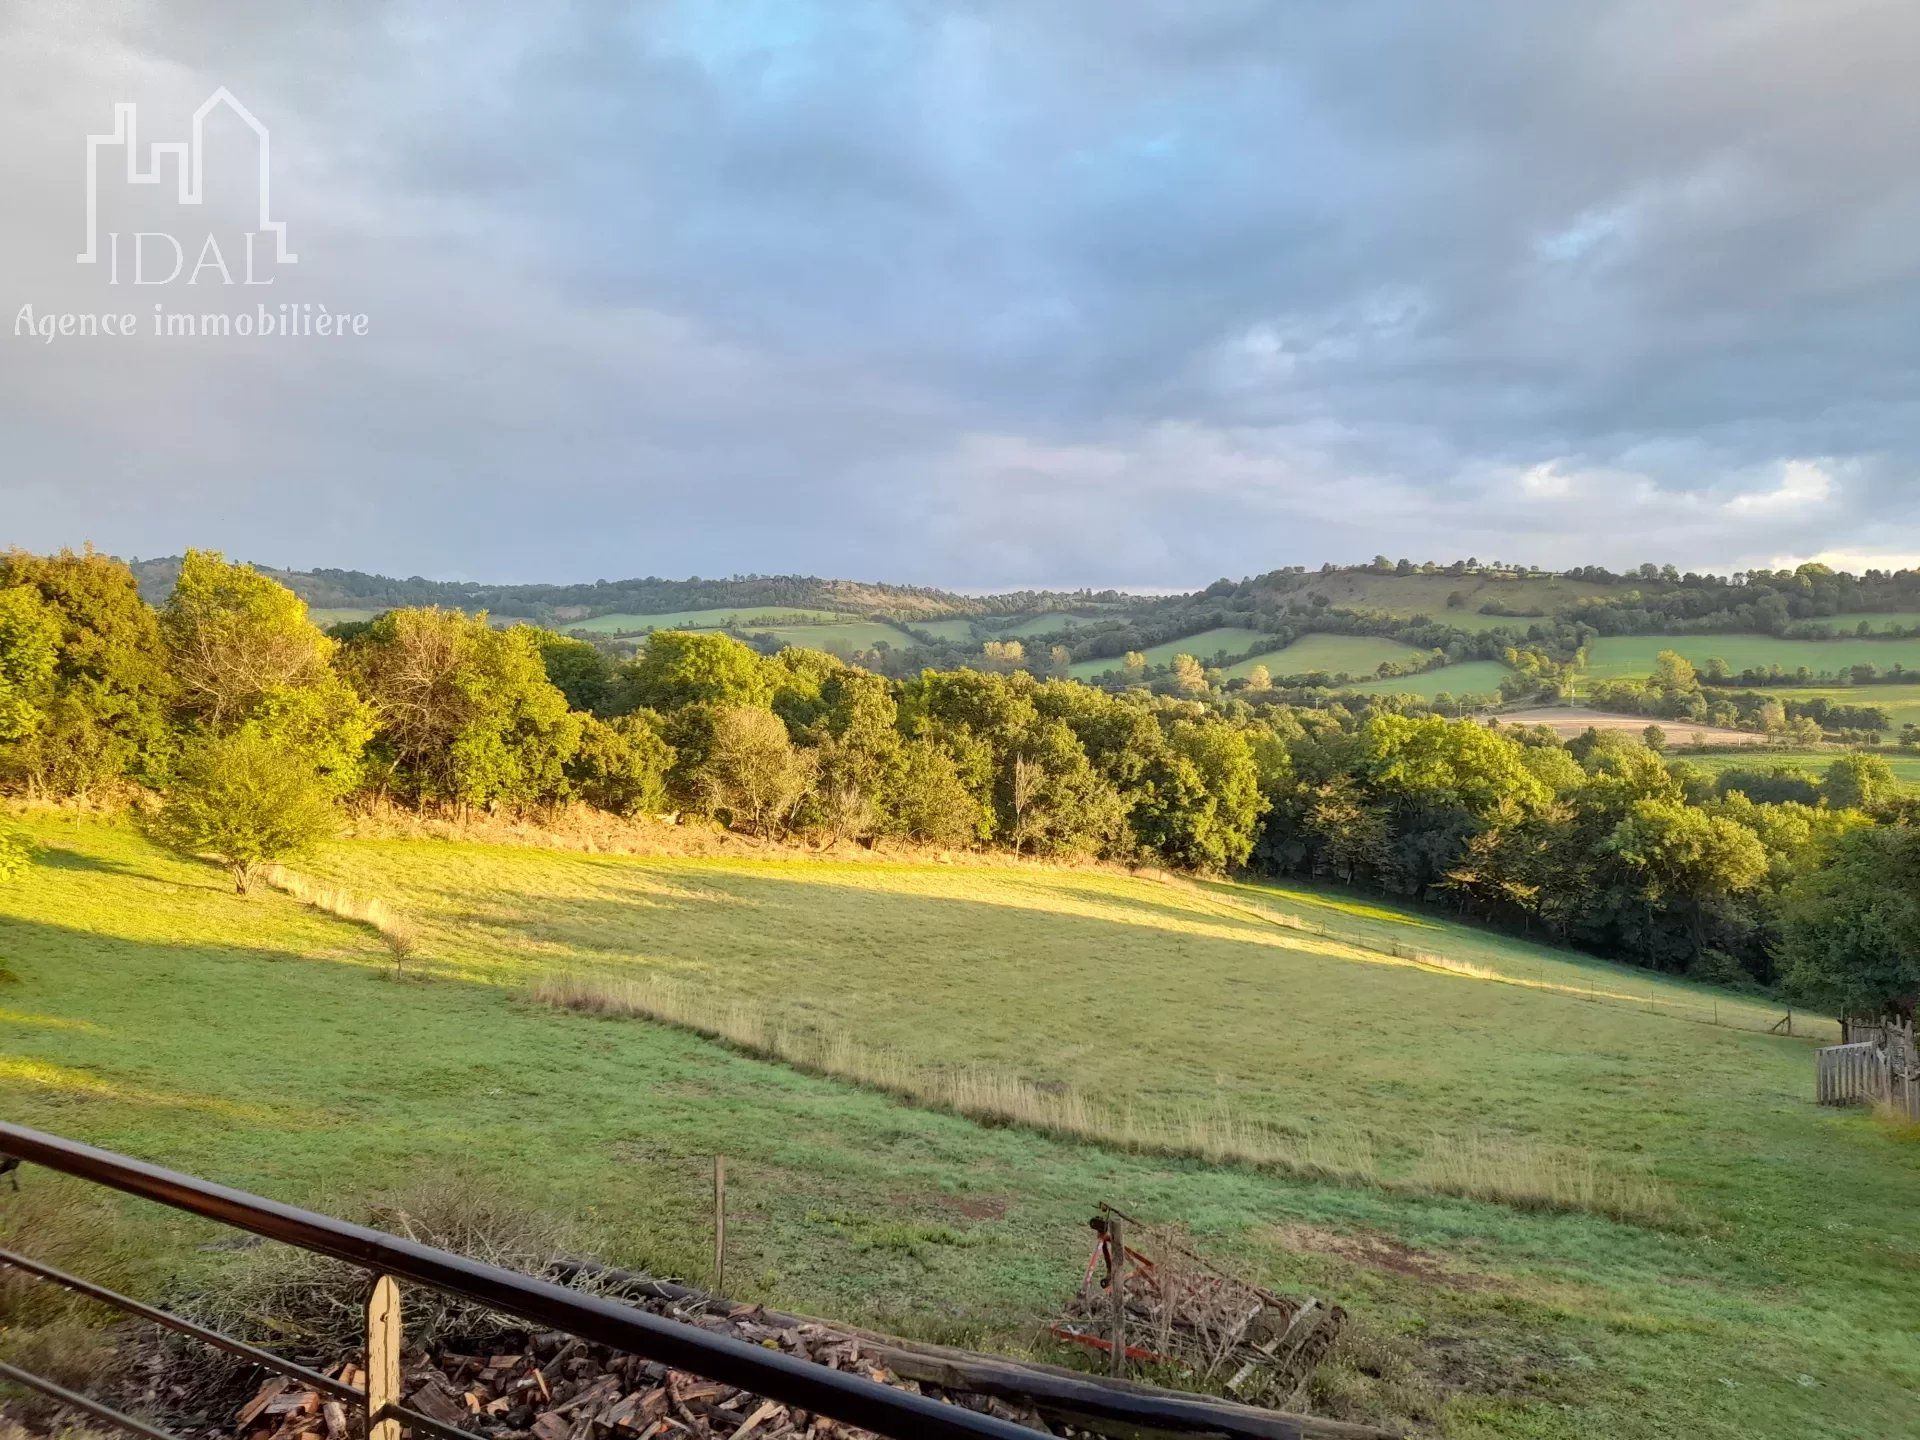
point(270, 1045)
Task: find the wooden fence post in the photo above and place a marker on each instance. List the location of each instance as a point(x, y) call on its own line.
point(720, 1224)
point(383, 1359)
point(1117, 1293)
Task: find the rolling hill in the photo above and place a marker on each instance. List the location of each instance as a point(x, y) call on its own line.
point(1545, 1187)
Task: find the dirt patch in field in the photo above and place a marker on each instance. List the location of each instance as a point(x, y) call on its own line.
point(1569, 721)
point(1378, 1251)
point(969, 1207)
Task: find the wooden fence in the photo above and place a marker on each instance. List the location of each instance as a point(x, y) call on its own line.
point(1848, 1074)
point(1867, 1073)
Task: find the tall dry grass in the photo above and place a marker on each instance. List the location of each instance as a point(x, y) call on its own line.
point(1507, 1170)
point(400, 934)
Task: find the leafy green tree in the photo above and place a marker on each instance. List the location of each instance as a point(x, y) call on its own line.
point(1858, 782)
point(751, 775)
point(1207, 801)
point(855, 738)
point(104, 717)
point(1189, 677)
point(29, 649)
point(1850, 926)
point(1052, 800)
point(621, 764)
point(1344, 832)
point(932, 804)
point(245, 798)
point(683, 667)
point(1685, 859)
point(578, 670)
point(16, 854)
point(466, 715)
point(243, 652)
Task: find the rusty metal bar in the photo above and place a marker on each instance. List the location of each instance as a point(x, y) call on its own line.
point(73, 1400)
point(266, 1359)
point(792, 1381)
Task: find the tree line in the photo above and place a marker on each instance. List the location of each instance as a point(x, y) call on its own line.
point(254, 726)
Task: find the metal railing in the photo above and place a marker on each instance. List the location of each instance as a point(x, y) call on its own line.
point(389, 1259)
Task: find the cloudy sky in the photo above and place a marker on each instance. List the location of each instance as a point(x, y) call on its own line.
point(981, 293)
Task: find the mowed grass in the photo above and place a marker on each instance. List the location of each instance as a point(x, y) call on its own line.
point(1334, 654)
point(267, 1044)
point(743, 617)
point(1814, 763)
point(1230, 639)
point(1469, 677)
point(1617, 655)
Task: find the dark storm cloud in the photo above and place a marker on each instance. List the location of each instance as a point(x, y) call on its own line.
point(1003, 293)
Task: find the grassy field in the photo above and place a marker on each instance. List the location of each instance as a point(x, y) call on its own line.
point(1901, 702)
point(269, 1045)
point(844, 639)
point(324, 617)
point(1885, 620)
point(1469, 677)
point(1203, 647)
point(1410, 595)
point(1335, 654)
point(755, 617)
point(1615, 655)
point(1905, 767)
point(1046, 624)
point(956, 628)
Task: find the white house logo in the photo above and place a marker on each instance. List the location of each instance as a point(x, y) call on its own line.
point(187, 161)
point(205, 221)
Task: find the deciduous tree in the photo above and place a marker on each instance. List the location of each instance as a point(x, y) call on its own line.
point(245, 798)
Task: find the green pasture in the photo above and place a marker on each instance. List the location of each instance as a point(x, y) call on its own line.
point(1469, 677)
point(1612, 656)
point(1879, 621)
point(956, 628)
point(847, 638)
point(749, 617)
point(1049, 623)
point(1410, 595)
point(1901, 702)
point(1905, 766)
point(1334, 654)
point(323, 616)
point(1231, 639)
point(268, 1045)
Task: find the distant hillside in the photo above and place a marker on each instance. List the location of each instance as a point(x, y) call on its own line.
point(1390, 625)
point(357, 590)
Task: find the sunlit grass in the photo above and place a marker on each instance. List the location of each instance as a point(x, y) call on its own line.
point(1211, 1018)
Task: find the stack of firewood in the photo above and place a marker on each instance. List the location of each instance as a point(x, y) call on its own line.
point(556, 1387)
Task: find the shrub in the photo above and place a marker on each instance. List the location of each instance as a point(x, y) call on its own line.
point(16, 853)
point(247, 800)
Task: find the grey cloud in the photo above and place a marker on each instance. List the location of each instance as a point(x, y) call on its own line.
point(991, 294)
